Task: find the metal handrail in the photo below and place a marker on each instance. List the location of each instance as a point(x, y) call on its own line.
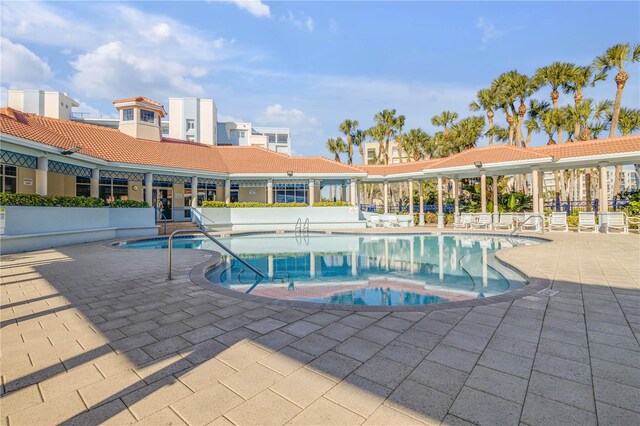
point(199, 219)
point(215, 240)
point(305, 228)
point(298, 228)
point(164, 218)
point(533, 216)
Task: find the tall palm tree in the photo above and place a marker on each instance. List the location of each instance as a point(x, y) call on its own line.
point(398, 126)
point(349, 127)
point(555, 75)
point(336, 147)
point(487, 100)
point(616, 57)
point(418, 144)
point(386, 121)
point(445, 119)
point(359, 139)
point(628, 120)
point(534, 113)
point(579, 78)
point(506, 101)
point(378, 133)
point(467, 132)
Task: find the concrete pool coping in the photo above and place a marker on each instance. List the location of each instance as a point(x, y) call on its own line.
point(198, 274)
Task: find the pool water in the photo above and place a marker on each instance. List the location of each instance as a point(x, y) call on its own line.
point(388, 270)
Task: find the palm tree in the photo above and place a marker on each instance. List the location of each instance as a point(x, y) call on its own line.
point(444, 120)
point(386, 123)
point(536, 109)
point(349, 127)
point(487, 100)
point(506, 101)
point(378, 133)
point(616, 57)
point(418, 144)
point(581, 77)
point(554, 75)
point(628, 120)
point(359, 139)
point(398, 126)
point(336, 147)
point(467, 132)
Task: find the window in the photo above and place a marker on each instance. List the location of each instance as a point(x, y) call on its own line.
point(206, 192)
point(127, 114)
point(394, 152)
point(147, 116)
point(272, 138)
point(83, 186)
point(112, 189)
point(371, 154)
point(282, 138)
point(8, 179)
point(238, 134)
point(291, 193)
point(191, 124)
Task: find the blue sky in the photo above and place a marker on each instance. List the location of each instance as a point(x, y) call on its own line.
point(306, 65)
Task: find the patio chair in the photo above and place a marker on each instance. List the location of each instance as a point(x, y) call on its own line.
point(587, 222)
point(505, 222)
point(558, 222)
point(374, 221)
point(391, 221)
point(532, 223)
point(462, 221)
point(617, 221)
point(483, 221)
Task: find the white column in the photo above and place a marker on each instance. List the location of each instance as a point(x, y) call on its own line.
point(421, 207)
point(352, 194)
point(270, 191)
point(312, 265)
point(194, 191)
point(441, 257)
point(95, 183)
point(412, 261)
point(541, 192)
point(148, 189)
point(270, 266)
point(494, 188)
point(41, 176)
point(483, 192)
point(227, 191)
point(385, 188)
point(440, 210)
point(411, 204)
point(354, 263)
point(604, 194)
point(485, 267)
point(312, 191)
point(456, 196)
point(536, 190)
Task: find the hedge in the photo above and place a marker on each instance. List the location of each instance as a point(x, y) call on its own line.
point(254, 204)
point(35, 200)
point(213, 204)
point(331, 204)
point(132, 204)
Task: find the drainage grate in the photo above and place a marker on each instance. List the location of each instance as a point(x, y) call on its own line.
point(548, 292)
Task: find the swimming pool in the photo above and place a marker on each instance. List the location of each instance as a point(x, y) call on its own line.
point(380, 270)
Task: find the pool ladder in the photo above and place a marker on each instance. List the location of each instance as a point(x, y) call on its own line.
point(215, 241)
point(302, 229)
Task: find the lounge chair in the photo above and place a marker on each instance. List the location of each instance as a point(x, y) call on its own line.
point(374, 221)
point(505, 222)
point(558, 222)
point(587, 222)
point(391, 221)
point(532, 222)
point(462, 221)
point(617, 221)
point(483, 221)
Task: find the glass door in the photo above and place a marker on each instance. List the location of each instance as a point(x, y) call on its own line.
point(163, 202)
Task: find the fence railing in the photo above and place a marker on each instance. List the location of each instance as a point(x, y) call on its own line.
point(372, 208)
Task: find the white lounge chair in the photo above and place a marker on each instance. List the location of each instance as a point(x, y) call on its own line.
point(617, 221)
point(558, 222)
point(587, 222)
point(462, 221)
point(505, 222)
point(391, 221)
point(483, 221)
point(374, 221)
point(532, 223)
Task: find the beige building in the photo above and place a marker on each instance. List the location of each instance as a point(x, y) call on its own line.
point(46, 103)
point(372, 151)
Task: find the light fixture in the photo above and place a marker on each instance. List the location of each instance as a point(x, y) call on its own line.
point(71, 150)
point(478, 164)
point(289, 173)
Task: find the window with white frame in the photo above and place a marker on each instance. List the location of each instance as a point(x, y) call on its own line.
point(147, 116)
point(237, 134)
point(191, 124)
point(8, 179)
point(127, 114)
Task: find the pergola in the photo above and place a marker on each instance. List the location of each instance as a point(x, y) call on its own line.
point(506, 160)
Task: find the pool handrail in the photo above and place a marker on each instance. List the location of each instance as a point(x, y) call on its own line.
point(212, 238)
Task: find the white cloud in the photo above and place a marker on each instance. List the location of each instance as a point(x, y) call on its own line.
point(300, 22)
point(254, 7)
point(20, 67)
point(489, 31)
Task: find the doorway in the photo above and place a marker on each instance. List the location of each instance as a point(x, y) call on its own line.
point(163, 202)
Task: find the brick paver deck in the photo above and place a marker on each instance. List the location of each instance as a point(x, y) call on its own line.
point(94, 334)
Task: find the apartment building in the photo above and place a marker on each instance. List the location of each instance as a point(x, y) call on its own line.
point(372, 153)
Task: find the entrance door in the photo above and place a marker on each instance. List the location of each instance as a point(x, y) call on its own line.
point(163, 202)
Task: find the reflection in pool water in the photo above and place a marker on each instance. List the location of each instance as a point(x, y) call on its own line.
point(363, 269)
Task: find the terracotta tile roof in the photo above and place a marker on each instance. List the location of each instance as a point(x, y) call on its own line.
point(489, 155)
point(395, 169)
point(112, 145)
point(613, 145)
point(141, 99)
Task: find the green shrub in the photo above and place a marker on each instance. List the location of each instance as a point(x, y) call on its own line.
point(572, 220)
point(130, 204)
point(35, 200)
point(633, 208)
point(255, 204)
point(213, 204)
point(430, 217)
point(331, 204)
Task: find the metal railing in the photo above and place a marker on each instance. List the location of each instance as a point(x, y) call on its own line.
point(215, 241)
point(197, 216)
point(302, 229)
point(540, 218)
point(164, 219)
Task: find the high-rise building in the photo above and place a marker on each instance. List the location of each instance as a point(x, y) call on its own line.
point(193, 119)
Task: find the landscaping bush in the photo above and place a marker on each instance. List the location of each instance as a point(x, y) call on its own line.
point(129, 204)
point(254, 204)
point(213, 204)
point(572, 220)
point(331, 204)
point(430, 217)
point(35, 200)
